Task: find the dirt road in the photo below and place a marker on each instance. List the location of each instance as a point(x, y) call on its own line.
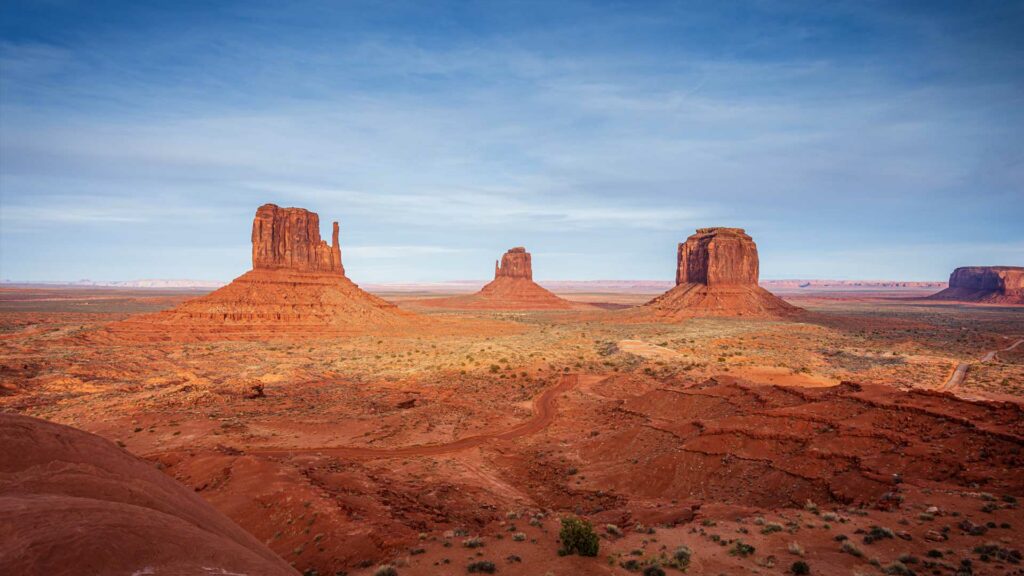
point(544, 411)
point(960, 372)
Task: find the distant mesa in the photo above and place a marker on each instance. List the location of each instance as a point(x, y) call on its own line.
point(990, 284)
point(513, 288)
point(74, 503)
point(716, 275)
point(297, 285)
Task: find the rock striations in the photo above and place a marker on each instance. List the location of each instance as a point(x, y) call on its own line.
point(513, 288)
point(991, 284)
point(716, 275)
point(297, 285)
point(74, 503)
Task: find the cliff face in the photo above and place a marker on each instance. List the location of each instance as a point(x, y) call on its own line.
point(513, 288)
point(289, 239)
point(993, 284)
point(716, 275)
point(515, 263)
point(297, 287)
point(715, 256)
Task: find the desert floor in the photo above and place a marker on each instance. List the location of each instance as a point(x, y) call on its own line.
point(845, 439)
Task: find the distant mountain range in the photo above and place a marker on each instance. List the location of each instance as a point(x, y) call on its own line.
point(565, 286)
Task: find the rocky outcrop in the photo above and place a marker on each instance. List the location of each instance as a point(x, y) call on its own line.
point(516, 263)
point(74, 503)
point(513, 288)
point(716, 275)
point(991, 284)
point(717, 256)
point(297, 287)
point(289, 239)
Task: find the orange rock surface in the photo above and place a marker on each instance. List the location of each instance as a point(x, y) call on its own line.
point(297, 285)
point(992, 284)
point(74, 503)
point(513, 288)
point(716, 275)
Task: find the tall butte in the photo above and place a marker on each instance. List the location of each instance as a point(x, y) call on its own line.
point(990, 284)
point(297, 285)
point(513, 288)
point(716, 275)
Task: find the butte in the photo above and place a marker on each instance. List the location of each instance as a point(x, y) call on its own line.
point(988, 284)
point(716, 275)
point(513, 288)
point(297, 286)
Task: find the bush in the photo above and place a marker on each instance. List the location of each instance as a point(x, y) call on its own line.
point(473, 542)
point(653, 570)
point(385, 570)
point(800, 567)
point(484, 566)
point(681, 558)
point(578, 537)
point(741, 549)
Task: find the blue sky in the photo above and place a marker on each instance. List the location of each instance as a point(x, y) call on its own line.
point(851, 140)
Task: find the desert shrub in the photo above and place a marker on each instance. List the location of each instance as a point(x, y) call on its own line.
point(851, 548)
point(741, 549)
point(771, 527)
point(519, 537)
point(613, 530)
point(898, 569)
point(877, 533)
point(578, 537)
point(800, 567)
point(481, 566)
point(385, 570)
point(473, 542)
point(681, 558)
point(653, 570)
point(796, 548)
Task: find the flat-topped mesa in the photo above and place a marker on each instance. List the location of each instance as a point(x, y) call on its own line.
point(716, 275)
point(515, 263)
point(994, 284)
point(717, 256)
point(289, 239)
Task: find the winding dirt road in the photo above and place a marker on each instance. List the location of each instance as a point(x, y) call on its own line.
point(544, 411)
point(960, 372)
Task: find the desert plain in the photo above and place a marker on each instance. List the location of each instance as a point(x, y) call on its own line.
point(840, 439)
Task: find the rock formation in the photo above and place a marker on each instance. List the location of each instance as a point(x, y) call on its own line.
point(991, 284)
point(716, 275)
point(297, 285)
point(513, 288)
point(289, 239)
point(74, 503)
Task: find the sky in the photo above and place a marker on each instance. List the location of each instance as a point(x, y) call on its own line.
point(859, 140)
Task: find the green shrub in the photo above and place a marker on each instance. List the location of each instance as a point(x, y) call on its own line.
point(483, 566)
point(800, 567)
point(578, 537)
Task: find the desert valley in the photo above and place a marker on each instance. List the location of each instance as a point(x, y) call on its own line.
point(292, 422)
point(511, 287)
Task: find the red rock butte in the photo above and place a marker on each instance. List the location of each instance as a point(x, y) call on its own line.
point(513, 288)
point(297, 285)
point(716, 275)
point(990, 284)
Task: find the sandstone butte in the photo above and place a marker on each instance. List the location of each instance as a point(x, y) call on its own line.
point(991, 284)
point(74, 503)
point(513, 288)
point(716, 275)
point(297, 285)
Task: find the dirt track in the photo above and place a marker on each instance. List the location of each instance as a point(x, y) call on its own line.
point(543, 413)
point(960, 372)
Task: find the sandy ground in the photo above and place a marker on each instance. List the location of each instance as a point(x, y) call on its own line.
point(344, 453)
